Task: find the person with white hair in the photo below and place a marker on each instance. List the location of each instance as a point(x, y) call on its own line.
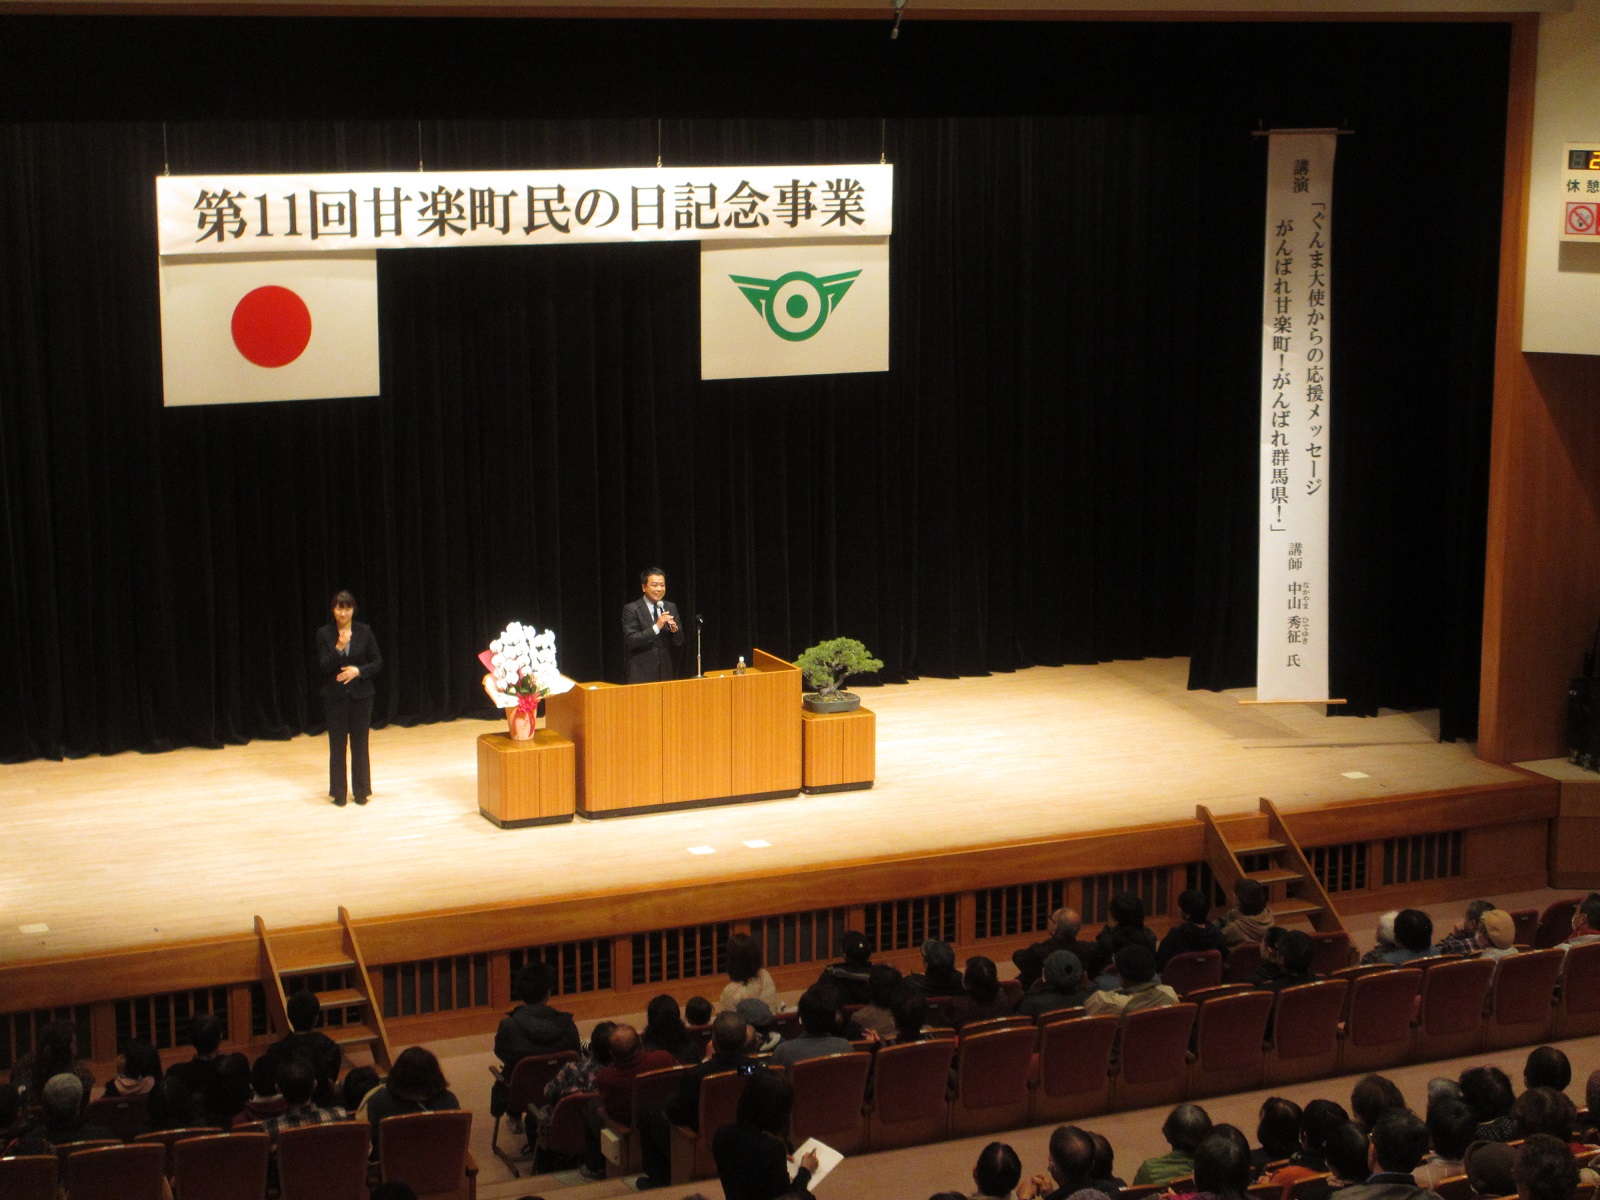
point(1386, 944)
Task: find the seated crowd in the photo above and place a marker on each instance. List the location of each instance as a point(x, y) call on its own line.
point(1477, 1134)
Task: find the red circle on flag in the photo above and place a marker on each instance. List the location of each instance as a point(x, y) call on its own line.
point(271, 326)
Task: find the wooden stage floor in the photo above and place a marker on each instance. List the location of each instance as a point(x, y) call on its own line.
point(138, 849)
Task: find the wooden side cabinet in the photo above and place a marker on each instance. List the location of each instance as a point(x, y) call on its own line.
point(526, 783)
point(839, 751)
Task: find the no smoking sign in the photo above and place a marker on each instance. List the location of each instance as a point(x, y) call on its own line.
point(1583, 220)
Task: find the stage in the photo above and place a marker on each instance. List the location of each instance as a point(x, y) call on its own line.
point(139, 849)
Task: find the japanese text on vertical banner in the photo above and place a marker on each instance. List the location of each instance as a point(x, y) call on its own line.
point(1292, 603)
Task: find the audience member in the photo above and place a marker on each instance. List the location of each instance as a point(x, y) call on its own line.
point(1399, 1143)
point(1063, 986)
point(751, 1154)
point(819, 1017)
point(1490, 1168)
point(1547, 1067)
point(172, 1105)
point(55, 1052)
point(305, 1040)
point(982, 999)
point(415, 1084)
point(265, 1099)
point(1487, 1092)
point(629, 1058)
point(997, 1173)
point(1464, 938)
point(664, 1030)
point(1126, 928)
point(230, 1092)
point(1451, 1129)
point(138, 1070)
point(1319, 1119)
point(1072, 1157)
point(1222, 1165)
point(1288, 963)
point(1442, 1087)
point(1195, 933)
point(1545, 1170)
point(1348, 1152)
point(1591, 1102)
point(532, 1028)
point(61, 1105)
point(356, 1090)
point(297, 1080)
point(747, 978)
point(849, 978)
point(1277, 1131)
point(1383, 940)
point(1497, 934)
point(697, 1011)
point(1061, 934)
point(1413, 937)
point(1585, 924)
point(1185, 1128)
point(728, 1037)
point(909, 1008)
point(763, 1036)
point(1136, 965)
point(1250, 918)
point(939, 976)
point(1372, 1096)
point(875, 1014)
point(1106, 1179)
point(1545, 1110)
point(199, 1073)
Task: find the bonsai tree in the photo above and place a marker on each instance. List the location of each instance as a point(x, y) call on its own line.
point(827, 664)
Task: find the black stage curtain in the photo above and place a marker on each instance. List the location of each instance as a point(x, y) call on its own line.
point(1060, 467)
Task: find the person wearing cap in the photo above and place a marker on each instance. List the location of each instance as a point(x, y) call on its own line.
point(1063, 986)
point(849, 977)
point(1463, 939)
point(760, 1036)
point(939, 975)
point(1136, 965)
point(1496, 934)
point(62, 1104)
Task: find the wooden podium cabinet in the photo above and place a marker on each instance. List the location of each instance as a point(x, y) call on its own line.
point(651, 747)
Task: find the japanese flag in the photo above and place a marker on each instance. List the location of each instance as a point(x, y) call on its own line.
point(243, 328)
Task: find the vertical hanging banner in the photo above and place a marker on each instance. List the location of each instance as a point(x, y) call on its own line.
point(1292, 601)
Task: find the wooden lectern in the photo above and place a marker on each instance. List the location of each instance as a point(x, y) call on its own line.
point(654, 747)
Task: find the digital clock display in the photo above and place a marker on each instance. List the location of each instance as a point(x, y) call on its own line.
point(1583, 160)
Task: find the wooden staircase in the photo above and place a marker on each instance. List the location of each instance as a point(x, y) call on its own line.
point(327, 959)
point(1259, 846)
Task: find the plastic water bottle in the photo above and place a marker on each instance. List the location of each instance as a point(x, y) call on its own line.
point(739, 670)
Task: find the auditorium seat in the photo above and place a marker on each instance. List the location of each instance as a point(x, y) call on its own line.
point(562, 1137)
point(1455, 1187)
point(1201, 995)
point(1434, 961)
point(324, 1162)
point(829, 1095)
point(1555, 923)
point(1450, 1016)
point(1197, 969)
point(1378, 1016)
point(125, 1116)
point(1305, 1031)
point(133, 1172)
point(719, 1104)
point(990, 1024)
point(1153, 1056)
point(29, 1177)
point(1228, 1037)
point(428, 1151)
point(650, 1088)
point(1330, 951)
point(1526, 923)
point(526, 1086)
point(167, 1138)
point(1074, 1067)
point(910, 1102)
point(1242, 960)
point(223, 1166)
point(991, 1091)
point(1522, 999)
point(1578, 1005)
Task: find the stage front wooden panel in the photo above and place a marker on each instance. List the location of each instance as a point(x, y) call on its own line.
point(841, 750)
point(695, 725)
point(685, 742)
point(526, 783)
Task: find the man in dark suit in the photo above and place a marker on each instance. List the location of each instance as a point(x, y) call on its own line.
point(650, 630)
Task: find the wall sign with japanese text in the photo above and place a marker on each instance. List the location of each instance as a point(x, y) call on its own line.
point(1292, 603)
point(1580, 192)
point(306, 214)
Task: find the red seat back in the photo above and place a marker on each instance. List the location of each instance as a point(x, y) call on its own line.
point(1305, 1019)
point(564, 1133)
point(427, 1150)
point(324, 1162)
point(992, 1068)
point(1155, 1043)
point(1230, 1029)
point(1525, 985)
point(1329, 951)
point(1242, 960)
point(29, 1177)
point(1075, 1055)
point(1452, 996)
point(828, 1095)
point(136, 1172)
point(223, 1166)
point(125, 1116)
point(719, 1099)
point(530, 1075)
point(1526, 922)
point(1555, 923)
point(1186, 972)
point(655, 1088)
point(1580, 980)
point(909, 1081)
point(1379, 1007)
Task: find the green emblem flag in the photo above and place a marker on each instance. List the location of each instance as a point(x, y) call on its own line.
point(804, 307)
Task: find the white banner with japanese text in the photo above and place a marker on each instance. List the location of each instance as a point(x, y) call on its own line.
point(224, 213)
point(1292, 603)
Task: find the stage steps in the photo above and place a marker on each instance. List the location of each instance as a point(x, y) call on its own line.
point(328, 960)
point(1262, 842)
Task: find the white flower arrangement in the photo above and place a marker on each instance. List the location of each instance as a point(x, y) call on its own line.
point(522, 664)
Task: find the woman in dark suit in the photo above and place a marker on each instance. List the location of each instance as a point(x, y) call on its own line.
point(347, 659)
